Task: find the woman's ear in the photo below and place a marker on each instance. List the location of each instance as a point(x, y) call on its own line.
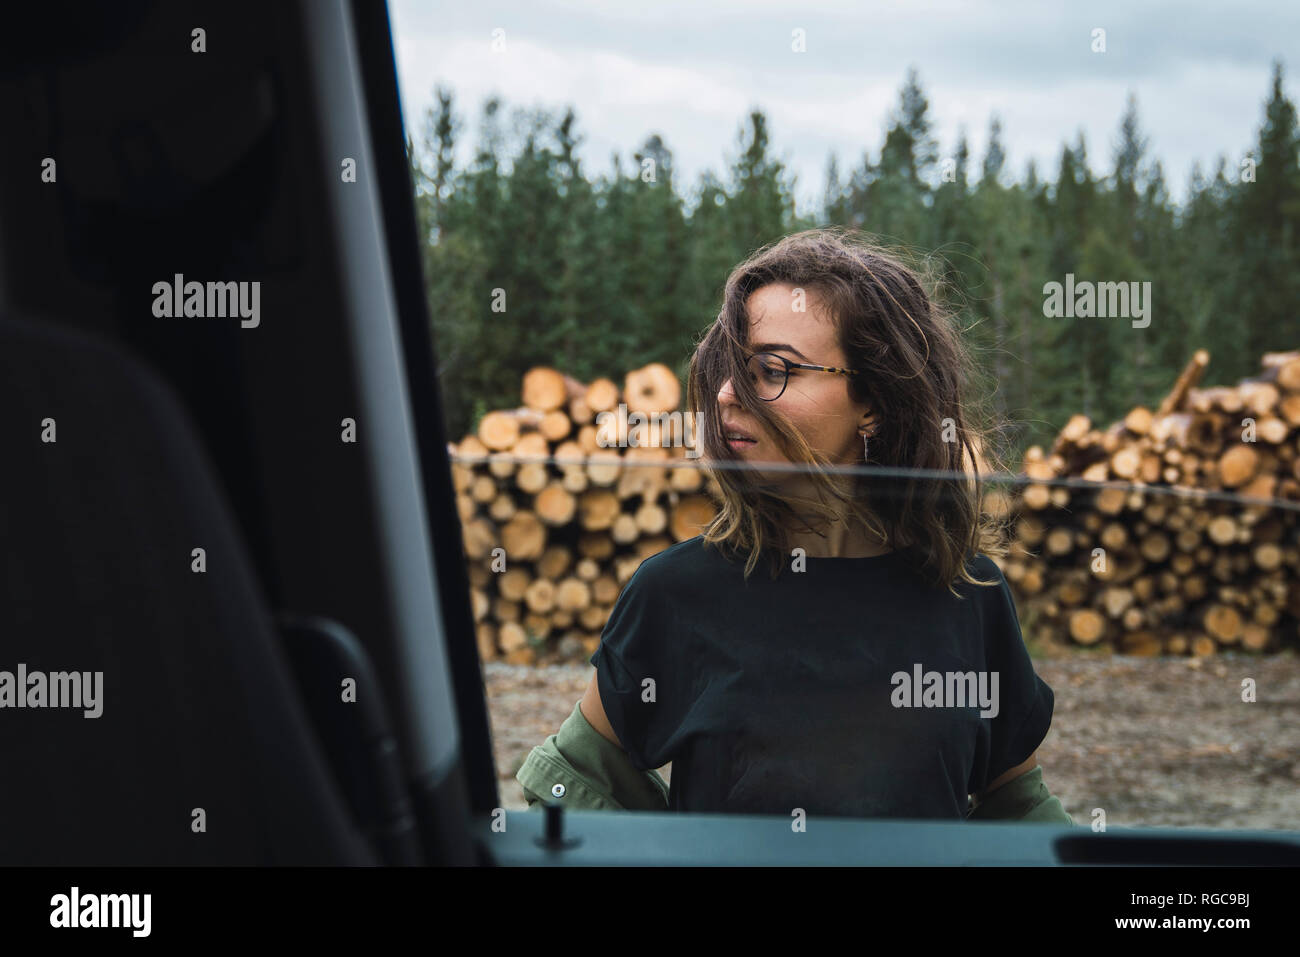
point(867, 423)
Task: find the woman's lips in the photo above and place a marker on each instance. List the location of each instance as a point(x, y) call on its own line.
point(736, 437)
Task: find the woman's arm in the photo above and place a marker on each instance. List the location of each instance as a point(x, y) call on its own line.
point(1028, 764)
point(1019, 795)
point(581, 768)
point(594, 712)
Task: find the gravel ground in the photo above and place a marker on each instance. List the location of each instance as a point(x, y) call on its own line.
point(1155, 742)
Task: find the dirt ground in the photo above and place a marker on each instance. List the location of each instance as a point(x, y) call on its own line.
point(1155, 742)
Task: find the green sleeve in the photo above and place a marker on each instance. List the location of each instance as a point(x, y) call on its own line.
point(1025, 798)
point(595, 774)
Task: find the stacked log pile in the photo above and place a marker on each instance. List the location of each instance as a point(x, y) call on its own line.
point(1173, 531)
point(1191, 545)
point(559, 505)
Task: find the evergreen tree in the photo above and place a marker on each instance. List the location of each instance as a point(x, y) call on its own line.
point(1266, 233)
point(835, 201)
point(760, 207)
point(995, 156)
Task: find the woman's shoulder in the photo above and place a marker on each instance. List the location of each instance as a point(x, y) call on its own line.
point(682, 560)
point(984, 568)
point(688, 569)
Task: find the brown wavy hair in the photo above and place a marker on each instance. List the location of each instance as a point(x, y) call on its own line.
point(915, 372)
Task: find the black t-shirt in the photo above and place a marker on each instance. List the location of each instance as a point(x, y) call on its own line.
point(771, 695)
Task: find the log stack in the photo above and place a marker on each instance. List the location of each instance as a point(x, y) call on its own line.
point(1189, 543)
point(574, 504)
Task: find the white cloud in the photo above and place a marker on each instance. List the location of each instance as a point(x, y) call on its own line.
point(691, 71)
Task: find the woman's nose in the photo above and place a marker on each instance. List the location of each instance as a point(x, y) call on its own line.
point(726, 394)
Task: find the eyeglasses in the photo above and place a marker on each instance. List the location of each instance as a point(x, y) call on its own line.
point(771, 373)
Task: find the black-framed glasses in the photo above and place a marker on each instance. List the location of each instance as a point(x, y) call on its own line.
point(771, 372)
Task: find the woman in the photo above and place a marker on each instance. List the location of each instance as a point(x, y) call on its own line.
point(877, 670)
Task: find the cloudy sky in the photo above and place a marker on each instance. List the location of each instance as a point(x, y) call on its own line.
point(690, 70)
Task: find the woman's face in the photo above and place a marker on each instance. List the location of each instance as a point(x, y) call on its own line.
point(818, 403)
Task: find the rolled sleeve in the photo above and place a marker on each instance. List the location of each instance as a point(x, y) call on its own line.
point(578, 767)
point(1025, 798)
